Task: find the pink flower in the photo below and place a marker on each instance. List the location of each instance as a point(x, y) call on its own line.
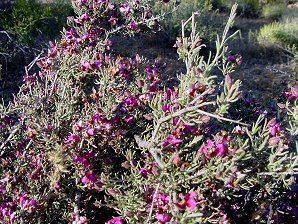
point(72, 139)
point(238, 130)
point(274, 127)
point(52, 51)
point(91, 181)
point(82, 160)
point(131, 102)
point(115, 220)
point(125, 9)
point(85, 66)
point(113, 20)
point(133, 26)
point(273, 141)
point(129, 120)
point(78, 219)
point(166, 108)
point(144, 172)
point(163, 217)
point(162, 202)
point(171, 140)
point(85, 17)
point(78, 126)
point(188, 202)
point(90, 132)
point(215, 148)
point(27, 204)
point(292, 94)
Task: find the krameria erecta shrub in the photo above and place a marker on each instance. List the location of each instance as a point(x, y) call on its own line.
point(73, 117)
point(95, 137)
point(196, 164)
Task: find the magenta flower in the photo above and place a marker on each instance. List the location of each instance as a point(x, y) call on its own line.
point(231, 58)
point(91, 181)
point(115, 220)
point(170, 94)
point(133, 26)
point(235, 59)
point(82, 2)
point(190, 129)
point(85, 66)
point(215, 148)
point(52, 51)
point(171, 140)
point(274, 127)
point(163, 217)
point(131, 102)
point(166, 108)
point(113, 20)
point(72, 139)
point(162, 202)
point(144, 172)
point(82, 160)
point(85, 17)
point(190, 201)
point(129, 120)
point(125, 9)
point(7, 211)
point(70, 34)
point(292, 94)
point(90, 132)
point(27, 204)
point(97, 118)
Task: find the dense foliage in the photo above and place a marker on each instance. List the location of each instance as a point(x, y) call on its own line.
point(96, 137)
point(29, 20)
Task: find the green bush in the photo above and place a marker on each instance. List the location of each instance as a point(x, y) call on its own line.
point(282, 34)
point(247, 8)
point(289, 13)
point(207, 20)
point(273, 11)
point(28, 19)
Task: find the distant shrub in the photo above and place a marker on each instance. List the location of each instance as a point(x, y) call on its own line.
point(246, 8)
point(274, 12)
point(207, 20)
point(28, 20)
point(279, 34)
point(289, 14)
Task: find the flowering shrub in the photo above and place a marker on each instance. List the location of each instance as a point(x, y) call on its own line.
point(97, 137)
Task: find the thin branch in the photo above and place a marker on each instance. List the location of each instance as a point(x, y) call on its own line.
point(8, 139)
point(221, 118)
point(152, 204)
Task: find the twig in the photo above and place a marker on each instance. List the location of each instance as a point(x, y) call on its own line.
point(270, 214)
point(221, 118)
point(152, 204)
point(8, 139)
point(32, 63)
